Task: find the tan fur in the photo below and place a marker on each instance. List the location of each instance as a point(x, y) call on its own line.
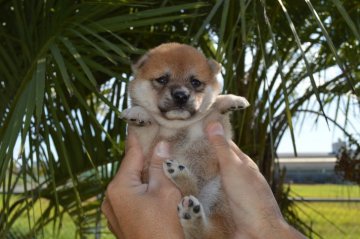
point(156, 114)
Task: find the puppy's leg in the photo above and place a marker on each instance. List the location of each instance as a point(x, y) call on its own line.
point(136, 115)
point(226, 103)
point(192, 218)
point(181, 176)
point(210, 195)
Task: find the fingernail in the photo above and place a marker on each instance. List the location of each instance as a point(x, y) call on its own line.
point(215, 129)
point(162, 149)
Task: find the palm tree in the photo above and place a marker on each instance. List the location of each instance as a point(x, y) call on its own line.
point(55, 57)
point(64, 66)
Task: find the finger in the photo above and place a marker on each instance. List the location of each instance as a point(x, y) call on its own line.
point(228, 153)
point(107, 210)
point(157, 178)
point(133, 162)
point(235, 148)
point(130, 139)
point(224, 152)
point(244, 157)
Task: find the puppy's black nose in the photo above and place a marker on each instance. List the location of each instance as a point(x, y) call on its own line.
point(180, 97)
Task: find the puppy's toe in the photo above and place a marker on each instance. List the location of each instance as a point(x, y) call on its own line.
point(233, 103)
point(136, 116)
point(190, 209)
point(173, 168)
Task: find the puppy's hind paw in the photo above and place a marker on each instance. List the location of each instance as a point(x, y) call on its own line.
point(136, 116)
point(192, 216)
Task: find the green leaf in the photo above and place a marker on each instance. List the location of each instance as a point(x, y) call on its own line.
point(61, 66)
point(96, 46)
point(332, 47)
point(78, 58)
point(283, 81)
point(125, 21)
point(308, 67)
point(207, 20)
point(40, 86)
point(347, 18)
point(107, 43)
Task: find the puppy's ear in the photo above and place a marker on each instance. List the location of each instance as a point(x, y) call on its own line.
point(214, 66)
point(135, 67)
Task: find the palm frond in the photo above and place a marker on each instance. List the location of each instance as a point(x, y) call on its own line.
point(64, 66)
point(57, 111)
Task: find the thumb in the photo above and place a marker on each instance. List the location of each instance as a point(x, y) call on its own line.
point(224, 153)
point(133, 162)
point(157, 178)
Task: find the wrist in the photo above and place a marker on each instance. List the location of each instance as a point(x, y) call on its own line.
point(153, 226)
point(154, 233)
point(286, 231)
point(162, 234)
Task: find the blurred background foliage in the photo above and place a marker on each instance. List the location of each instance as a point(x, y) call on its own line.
point(64, 66)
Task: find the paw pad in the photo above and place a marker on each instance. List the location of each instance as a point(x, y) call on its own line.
point(173, 168)
point(189, 208)
point(232, 103)
point(138, 122)
point(136, 116)
point(236, 107)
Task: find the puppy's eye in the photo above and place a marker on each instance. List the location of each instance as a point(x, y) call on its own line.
point(163, 80)
point(195, 82)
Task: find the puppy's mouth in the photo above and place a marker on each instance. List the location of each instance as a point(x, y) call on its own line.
point(177, 113)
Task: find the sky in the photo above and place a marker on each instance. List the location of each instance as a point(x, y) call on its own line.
point(312, 138)
point(317, 137)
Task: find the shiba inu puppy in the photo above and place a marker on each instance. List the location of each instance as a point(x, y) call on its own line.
point(174, 94)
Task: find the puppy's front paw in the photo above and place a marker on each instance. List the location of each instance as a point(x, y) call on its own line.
point(173, 170)
point(137, 116)
point(226, 103)
point(181, 176)
point(192, 217)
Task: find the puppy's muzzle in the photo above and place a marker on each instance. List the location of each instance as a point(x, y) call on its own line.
point(180, 97)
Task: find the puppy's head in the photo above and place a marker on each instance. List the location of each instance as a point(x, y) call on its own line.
point(175, 82)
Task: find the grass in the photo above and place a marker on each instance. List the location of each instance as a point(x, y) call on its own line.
point(325, 191)
point(329, 220)
point(67, 230)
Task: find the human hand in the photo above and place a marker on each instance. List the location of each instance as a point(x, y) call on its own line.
point(255, 210)
point(137, 210)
